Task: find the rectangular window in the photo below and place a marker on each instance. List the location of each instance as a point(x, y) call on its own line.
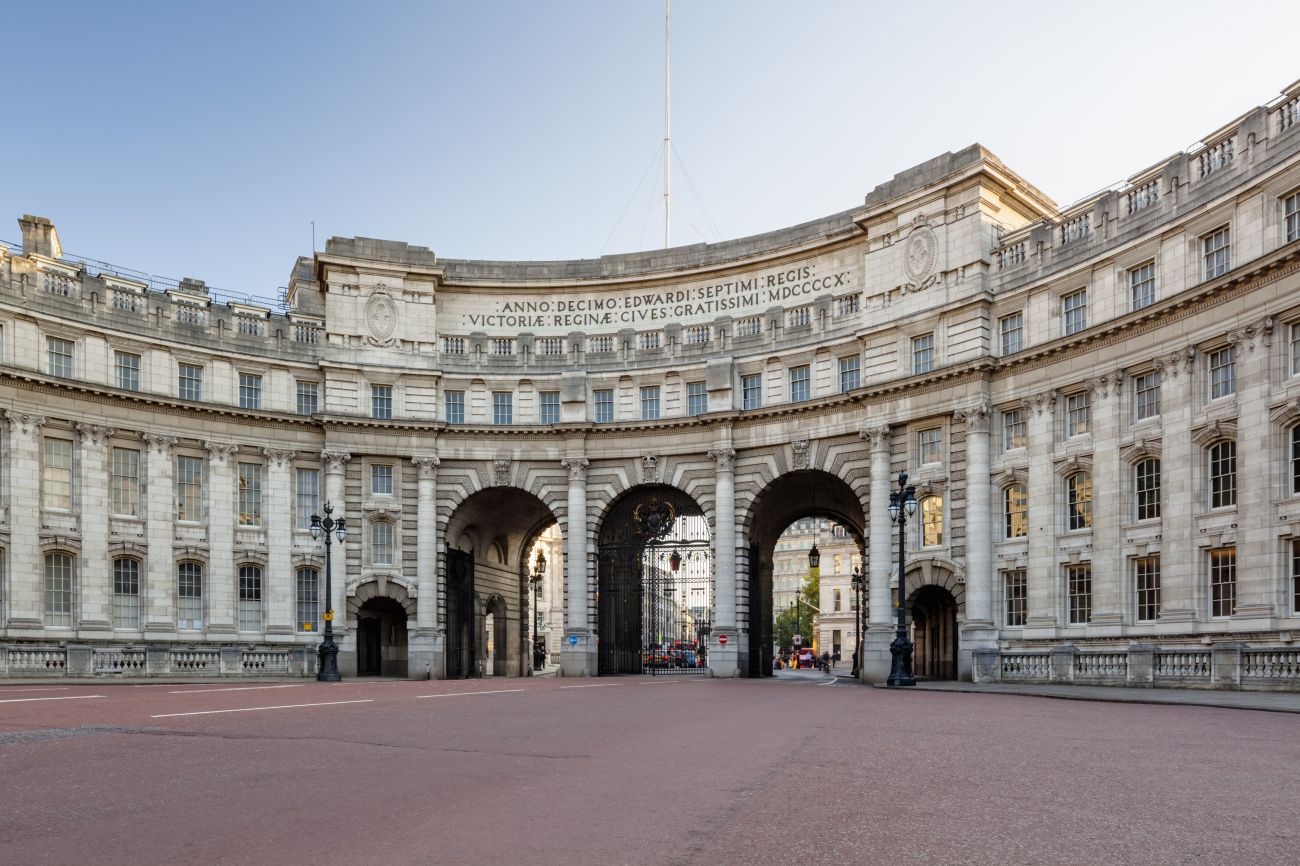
point(189, 381)
point(603, 405)
point(1074, 311)
point(308, 599)
point(189, 488)
point(125, 487)
point(1217, 252)
point(837, 601)
point(930, 445)
point(381, 543)
point(308, 398)
point(1012, 329)
point(250, 494)
point(1295, 576)
point(126, 593)
point(56, 475)
point(1291, 212)
point(1223, 581)
point(1146, 582)
point(1223, 372)
point(1078, 501)
point(250, 598)
point(650, 403)
point(548, 407)
point(1016, 507)
point(1014, 432)
point(58, 357)
point(1295, 349)
point(381, 402)
point(1295, 460)
point(58, 590)
point(1078, 414)
point(1016, 594)
point(800, 383)
point(1146, 489)
point(697, 398)
point(1146, 395)
point(189, 595)
point(751, 391)
point(1142, 285)
point(1223, 474)
point(850, 373)
point(1078, 579)
point(923, 353)
point(503, 411)
point(453, 403)
point(381, 479)
point(250, 391)
point(307, 495)
point(127, 367)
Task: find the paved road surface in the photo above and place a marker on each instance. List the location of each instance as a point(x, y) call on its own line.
point(801, 770)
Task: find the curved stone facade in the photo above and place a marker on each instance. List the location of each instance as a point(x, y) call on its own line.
point(1098, 406)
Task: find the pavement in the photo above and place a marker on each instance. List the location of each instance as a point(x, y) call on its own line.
point(800, 769)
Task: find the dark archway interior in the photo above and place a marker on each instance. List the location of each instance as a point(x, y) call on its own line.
point(934, 632)
point(790, 497)
point(381, 638)
point(489, 537)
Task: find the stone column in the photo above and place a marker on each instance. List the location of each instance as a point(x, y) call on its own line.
point(577, 659)
point(978, 631)
point(26, 574)
point(93, 574)
point(880, 561)
point(335, 464)
point(278, 583)
point(1179, 499)
point(219, 589)
point(159, 579)
point(1041, 574)
point(724, 659)
point(1112, 498)
point(426, 641)
point(1257, 582)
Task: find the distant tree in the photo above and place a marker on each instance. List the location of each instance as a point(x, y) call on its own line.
point(783, 628)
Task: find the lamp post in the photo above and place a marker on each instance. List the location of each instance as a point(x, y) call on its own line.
point(535, 581)
point(902, 505)
point(858, 582)
point(328, 652)
point(794, 636)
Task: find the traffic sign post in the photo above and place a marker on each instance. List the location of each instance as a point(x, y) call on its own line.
point(722, 640)
point(573, 640)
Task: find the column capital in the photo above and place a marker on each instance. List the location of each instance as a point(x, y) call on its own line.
point(1040, 401)
point(278, 456)
point(577, 467)
point(976, 417)
point(426, 463)
point(22, 422)
point(335, 460)
point(221, 451)
point(1105, 383)
point(725, 458)
point(878, 436)
point(94, 434)
point(159, 442)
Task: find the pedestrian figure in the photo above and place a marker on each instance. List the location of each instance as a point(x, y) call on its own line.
point(835, 658)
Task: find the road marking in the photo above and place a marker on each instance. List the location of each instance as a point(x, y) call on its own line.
point(460, 694)
point(237, 689)
point(592, 686)
point(60, 698)
point(5, 691)
point(255, 709)
point(829, 682)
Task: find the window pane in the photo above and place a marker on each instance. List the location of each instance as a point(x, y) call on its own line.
point(1223, 581)
point(127, 366)
point(923, 353)
point(308, 599)
point(250, 598)
point(1223, 474)
point(381, 402)
point(697, 398)
point(800, 383)
point(126, 593)
point(502, 407)
point(650, 403)
point(1147, 489)
point(454, 406)
point(381, 479)
point(58, 590)
point(1079, 589)
point(56, 480)
point(250, 494)
point(850, 373)
point(189, 595)
point(308, 496)
point(1013, 333)
point(1074, 309)
point(1016, 593)
point(381, 543)
point(250, 391)
point(1013, 429)
point(751, 390)
point(1079, 501)
point(930, 445)
point(1146, 577)
point(308, 398)
point(126, 482)
point(931, 521)
point(189, 488)
point(189, 382)
point(1142, 285)
point(58, 357)
point(1016, 506)
point(549, 407)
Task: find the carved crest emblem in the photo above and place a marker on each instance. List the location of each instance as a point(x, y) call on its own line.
point(654, 518)
point(919, 254)
point(381, 319)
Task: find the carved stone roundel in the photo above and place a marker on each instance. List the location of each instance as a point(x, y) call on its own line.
point(381, 317)
point(919, 254)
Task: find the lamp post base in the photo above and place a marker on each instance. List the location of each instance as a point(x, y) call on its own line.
point(329, 662)
point(900, 671)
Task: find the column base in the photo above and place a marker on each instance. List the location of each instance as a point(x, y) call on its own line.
point(876, 658)
point(724, 661)
point(425, 654)
point(578, 659)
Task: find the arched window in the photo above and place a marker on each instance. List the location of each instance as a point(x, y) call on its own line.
point(1015, 507)
point(1223, 474)
point(308, 599)
point(1146, 489)
point(1295, 459)
point(381, 542)
point(189, 595)
point(250, 598)
point(58, 590)
point(126, 592)
point(1078, 504)
point(931, 521)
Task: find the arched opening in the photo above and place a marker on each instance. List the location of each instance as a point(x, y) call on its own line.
point(381, 638)
point(787, 517)
point(934, 632)
point(654, 584)
point(488, 613)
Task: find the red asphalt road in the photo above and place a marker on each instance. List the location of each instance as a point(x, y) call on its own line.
point(635, 771)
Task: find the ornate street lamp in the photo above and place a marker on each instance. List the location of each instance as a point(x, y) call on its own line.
point(535, 581)
point(902, 505)
point(329, 652)
point(859, 583)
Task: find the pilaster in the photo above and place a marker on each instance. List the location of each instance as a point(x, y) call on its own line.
point(95, 581)
point(724, 658)
point(577, 658)
point(279, 579)
point(880, 620)
point(1112, 498)
point(157, 592)
point(336, 462)
point(978, 631)
point(24, 594)
point(221, 583)
point(1043, 613)
point(426, 641)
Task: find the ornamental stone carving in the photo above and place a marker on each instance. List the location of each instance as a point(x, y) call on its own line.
point(22, 422)
point(799, 449)
point(335, 461)
point(649, 469)
point(158, 442)
point(427, 464)
point(878, 436)
point(725, 458)
point(1040, 401)
point(221, 451)
point(1103, 385)
point(94, 434)
point(577, 467)
point(278, 456)
point(501, 471)
point(976, 417)
point(381, 318)
point(920, 252)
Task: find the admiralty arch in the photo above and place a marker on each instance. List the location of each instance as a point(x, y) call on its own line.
point(1099, 407)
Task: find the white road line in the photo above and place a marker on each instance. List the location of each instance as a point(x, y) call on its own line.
point(237, 689)
point(60, 698)
point(6, 690)
point(255, 709)
point(592, 686)
point(828, 682)
point(460, 694)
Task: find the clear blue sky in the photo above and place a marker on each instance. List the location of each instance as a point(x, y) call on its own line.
point(200, 140)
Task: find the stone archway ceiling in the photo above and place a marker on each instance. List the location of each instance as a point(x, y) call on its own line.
point(500, 513)
point(791, 496)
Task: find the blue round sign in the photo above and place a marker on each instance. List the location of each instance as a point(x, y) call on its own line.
point(573, 640)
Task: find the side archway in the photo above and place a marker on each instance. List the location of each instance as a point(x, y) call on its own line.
point(936, 597)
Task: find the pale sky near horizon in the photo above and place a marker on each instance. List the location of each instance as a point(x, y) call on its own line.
point(200, 140)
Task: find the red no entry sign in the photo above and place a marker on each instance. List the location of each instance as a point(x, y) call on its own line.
point(722, 639)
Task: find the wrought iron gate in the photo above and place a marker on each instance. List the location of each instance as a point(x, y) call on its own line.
point(654, 586)
point(460, 615)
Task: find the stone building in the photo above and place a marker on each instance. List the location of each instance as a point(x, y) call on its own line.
point(1099, 406)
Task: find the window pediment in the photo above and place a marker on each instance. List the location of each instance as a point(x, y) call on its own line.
point(1072, 464)
point(1140, 450)
point(1208, 434)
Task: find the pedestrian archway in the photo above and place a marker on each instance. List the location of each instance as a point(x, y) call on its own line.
point(654, 584)
point(935, 599)
point(381, 637)
point(496, 661)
